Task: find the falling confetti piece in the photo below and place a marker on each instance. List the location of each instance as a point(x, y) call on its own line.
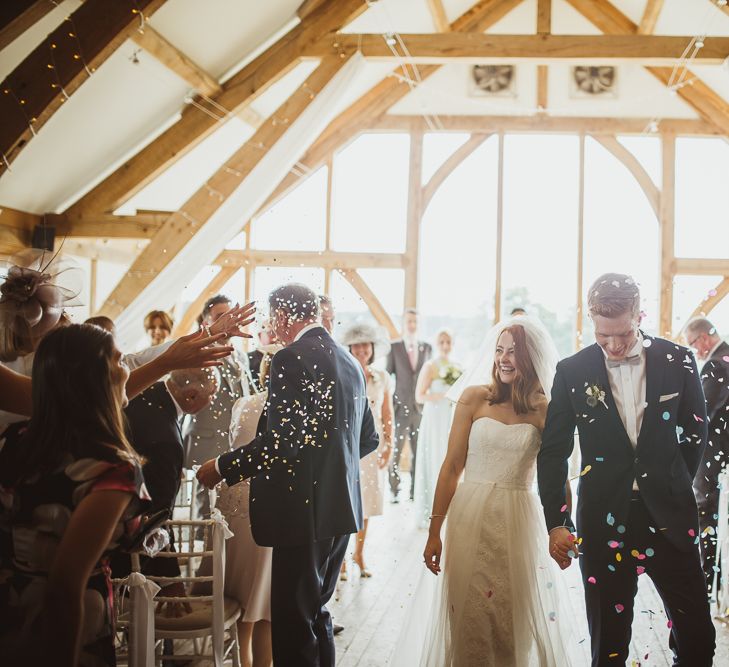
point(618, 557)
point(640, 569)
point(649, 552)
point(692, 532)
point(620, 529)
point(552, 616)
point(669, 624)
point(613, 544)
point(592, 580)
point(611, 568)
point(610, 519)
point(586, 470)
point(619, 608)
point(634, 553)
point(564, 508)
point(647, 342)
point(599, 458)
point(698, 419)
point(666, 416)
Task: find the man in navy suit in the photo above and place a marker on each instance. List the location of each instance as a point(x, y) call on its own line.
point(304, 470)
point(639, 409)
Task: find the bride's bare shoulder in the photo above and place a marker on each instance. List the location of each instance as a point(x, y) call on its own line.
point(475, 395)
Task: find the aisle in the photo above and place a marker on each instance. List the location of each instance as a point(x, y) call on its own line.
point(373, 610)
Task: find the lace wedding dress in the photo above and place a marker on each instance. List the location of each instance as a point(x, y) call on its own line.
point(500, 600)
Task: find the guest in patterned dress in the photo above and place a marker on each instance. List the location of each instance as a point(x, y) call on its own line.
point(366, 344)
point(71, 491)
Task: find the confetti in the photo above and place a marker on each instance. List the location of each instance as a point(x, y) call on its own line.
point(621, 529)
point(610, 519)
point(649, 552)
point(640, 570)
point(666, 416)
point(613, 544)
point(692, 532)
point(591, 580)
point(619, 608)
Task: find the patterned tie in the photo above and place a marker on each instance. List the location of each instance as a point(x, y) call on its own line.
point(413, 355)
point(632, 361)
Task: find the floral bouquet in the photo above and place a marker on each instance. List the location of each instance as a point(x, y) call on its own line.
point(449, 373)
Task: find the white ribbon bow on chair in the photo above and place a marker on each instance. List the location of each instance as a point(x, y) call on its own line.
point(217, 516)
point(141, 624)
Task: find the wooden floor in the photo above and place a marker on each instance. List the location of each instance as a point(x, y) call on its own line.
point(373, 610)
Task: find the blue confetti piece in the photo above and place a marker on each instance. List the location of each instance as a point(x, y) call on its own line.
point(599, 458)
point(571, 553)
point(611, 568)
point(666, 416)
point(649, 552)
point(610, 519)
point(621, 529)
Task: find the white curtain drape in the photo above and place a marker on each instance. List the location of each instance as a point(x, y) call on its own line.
point(225, 223)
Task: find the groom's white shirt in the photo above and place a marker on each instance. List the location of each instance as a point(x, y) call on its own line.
point(628, 383)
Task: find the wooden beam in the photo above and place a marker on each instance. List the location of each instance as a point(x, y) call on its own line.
point(440, 19)
point(724, 7)
point(22, 15)
point(371, 301)
point(54, 70)
point(238, 92)
point(499, 231)
point(542, 87)
point(446, 169)
point(173, 59)
point(668, 235)
point(706, 102)
point(633, 165)
point(182, 225)
point(544, 17)
point(650, 16)
point(712, 300)
point(470, 47)
point(327, 259)
point(700, 267)
point(580, 304)
point(540, 124)
point(414, 217)
point(307, 7)
point(185, 324)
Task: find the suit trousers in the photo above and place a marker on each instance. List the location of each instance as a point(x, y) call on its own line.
point(302, 582)
point(407, 425)
point(706, 488)
point(678, 578)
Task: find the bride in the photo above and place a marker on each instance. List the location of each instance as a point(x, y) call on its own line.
point(499, 602)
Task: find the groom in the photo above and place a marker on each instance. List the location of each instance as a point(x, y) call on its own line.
point(640, 413)
point(304, 469)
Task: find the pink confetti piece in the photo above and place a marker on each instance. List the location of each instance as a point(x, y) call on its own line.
point(669, 624)
point(640, 569)
point(698, 419)
point(592, 580)
point(619, 608)
point(613, 544)
point(564, 508)
point(692, 532)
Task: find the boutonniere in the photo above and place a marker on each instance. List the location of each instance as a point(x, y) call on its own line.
point(595, 394)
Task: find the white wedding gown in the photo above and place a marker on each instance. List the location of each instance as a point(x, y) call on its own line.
point(500, 600)
point(432, 448)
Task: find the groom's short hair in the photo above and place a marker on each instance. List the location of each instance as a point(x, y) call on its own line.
point(300, 302)
point(614, 294)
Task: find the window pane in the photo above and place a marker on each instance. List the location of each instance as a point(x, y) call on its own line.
point(540, 231)
point(458, 248)
point(702, 198)
point(719, 317)
point(298, 221)
point(688, 293)
point(437, 147)
point(621, 232)
point(370, 194)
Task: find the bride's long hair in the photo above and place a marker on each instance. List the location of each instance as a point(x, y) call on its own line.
point(526, 383)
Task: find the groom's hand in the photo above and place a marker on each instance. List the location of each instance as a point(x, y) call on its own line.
point(563, 547)
point(207, 475)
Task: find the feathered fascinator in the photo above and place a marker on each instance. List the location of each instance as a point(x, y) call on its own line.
point(35, 287)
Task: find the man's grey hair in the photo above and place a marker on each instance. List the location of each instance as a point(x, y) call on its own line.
point(700, 325)
point(205, 379)
point(299, 301)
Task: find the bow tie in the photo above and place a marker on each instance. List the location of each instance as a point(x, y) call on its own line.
point(632, 361)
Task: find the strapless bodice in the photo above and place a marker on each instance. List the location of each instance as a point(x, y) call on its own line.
point(502, 454)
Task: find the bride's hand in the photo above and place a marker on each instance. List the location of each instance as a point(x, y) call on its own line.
point(431, 555)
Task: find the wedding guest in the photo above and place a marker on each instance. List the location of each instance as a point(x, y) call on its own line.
point(72, 490)
point(267, 345)
point(206, 435)
point(366, 344)
point(247, 565)
point(701, 335)
point(436, 377)
point(405, 361)
point(326, 313)
point(158, 325)
point(106, 323)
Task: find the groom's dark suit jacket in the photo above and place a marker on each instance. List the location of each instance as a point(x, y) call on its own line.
point(670, 446)
point(305, 464)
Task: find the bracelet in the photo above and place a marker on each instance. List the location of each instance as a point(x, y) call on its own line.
point(436, 516)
